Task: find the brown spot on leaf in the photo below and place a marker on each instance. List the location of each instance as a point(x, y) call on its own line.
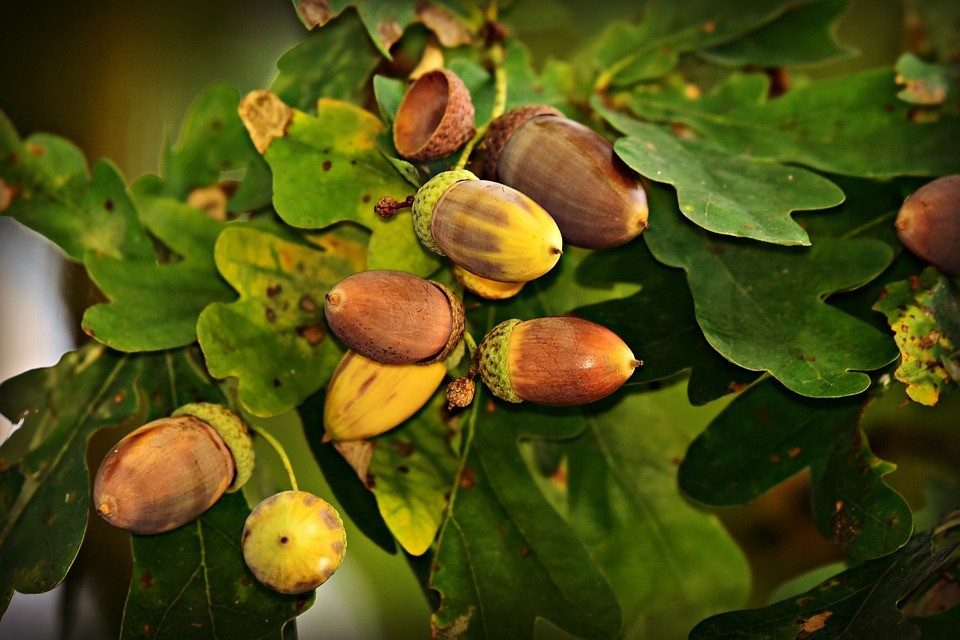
point(245, 582)
point(793, 453)
point(327, 165)
point(709, 26)
point(315, 13)
point(736, 387)
point(265, 116)
point(800, 356)
point(308, 304)
point(491, 405)
point(450, 31)
point(300, 603)
point(146, 580)
point(370, 481)
point(313, 334)
point(366, 197)
point(36, 149)
point(405, 449)
point(108, 205)
point(914, 283)
point(813, 624)
point(274, 290)
point(403, 469)
point(118, 397)
point(774, 458)
point(524, 551)
point(271, 314)
point(846, 529)
point(389, 32)
point(466, 478)
point(276, 382)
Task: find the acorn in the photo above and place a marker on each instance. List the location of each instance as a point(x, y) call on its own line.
point(559, 361)
point(487, 228)
point(366, 398)
point(571, 171)
point(435, 117)
point(484, 287)
point(395, 317)
point(293, 541)
point(169, 471)
point(928, 223)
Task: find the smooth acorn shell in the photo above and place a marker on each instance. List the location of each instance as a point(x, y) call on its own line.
point(557, 361)
point(293, 541)
point(928, 223)
point(435, 117)
point(163, 475)
point(366, 398)
point(573, 173)
point(394, 317)
point(484, 287)
point(495, 232)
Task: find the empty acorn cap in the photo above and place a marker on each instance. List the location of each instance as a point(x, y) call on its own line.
point(435, 118)
point(233, 431)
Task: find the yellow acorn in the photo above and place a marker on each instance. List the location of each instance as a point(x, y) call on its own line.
point(366, 398)
point(484, 287)
point(487, 228)
point(572, 171)
point(169, 471)
point(560, 361)
point(293, 541)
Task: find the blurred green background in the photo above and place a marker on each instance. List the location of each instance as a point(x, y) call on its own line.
point(116, 77)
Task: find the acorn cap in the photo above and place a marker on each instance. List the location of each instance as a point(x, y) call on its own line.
point(500, 130)
point(492, 361)
point(426, 200)
point(456, 324)
point(435, 118)
point(234, 432)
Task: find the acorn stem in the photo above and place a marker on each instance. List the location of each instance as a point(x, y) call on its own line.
point(280, 452)
point(499, 103)
point(387, 207)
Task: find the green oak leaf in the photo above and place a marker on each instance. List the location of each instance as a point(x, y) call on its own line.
point(628, 54)
point(328, 168)
point(768, 434)
point(412, 470)
point(501, 538)
point(274, 338)
point(45, 185)
point(212, 141)
point(852, 125)
point(384, 21)
point(155, 304)
point(625, 505)
point(924, 313)
point(924, 83)
point(658, 323)
point(762, 306)
point(334, 62)
point(725, 193)
point(44, 482)
point(775, 44)
point(861, 602)
point(192, 582)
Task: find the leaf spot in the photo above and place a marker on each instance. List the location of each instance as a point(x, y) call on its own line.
point(327, 165)
point(466, 478)
point(813, 624)
point(146, 580)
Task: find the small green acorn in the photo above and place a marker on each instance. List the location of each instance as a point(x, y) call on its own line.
point(487, 228)
point(293, 541)
point(557, 361)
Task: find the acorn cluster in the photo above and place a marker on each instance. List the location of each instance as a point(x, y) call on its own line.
point(546, 180)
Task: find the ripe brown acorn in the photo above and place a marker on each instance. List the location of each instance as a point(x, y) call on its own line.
point(171, 470)
point(487, 228)
point(571, 171)
point(557, 361)
point(928, 223)
point(435, 118)
point(395, 317)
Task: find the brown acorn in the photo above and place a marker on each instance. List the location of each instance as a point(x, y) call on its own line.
point(928, 223)
point(171, 470)
point(487, 228)
point(395, 317)
point(569, 170)
point(558, 361)
point(435, 118)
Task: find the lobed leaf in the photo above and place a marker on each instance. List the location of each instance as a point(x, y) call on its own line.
point(924, 313)
point(155, 305)
point(924, 83)
point(853, 125)
point(328, 169)
point(192, 582)
point(801, 35)
point(768, 434)
point(626, 507)
point(762, 307)
point(501, 538)
point(384, 21)
point(273, 339)
point(45, 185)
point(45, 484)
point(728, 194)
point(861, 602)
